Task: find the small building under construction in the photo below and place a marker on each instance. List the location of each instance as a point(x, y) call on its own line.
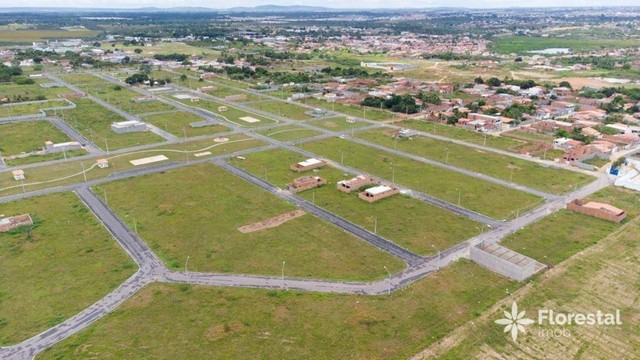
point(378, 192)
point(599, 210)
point(10, 223)
point(306, 182)
point(102, 163)
point(128, 126)
point(356, 183)
point(18, 174)
point(308, 164)
point(51, 148)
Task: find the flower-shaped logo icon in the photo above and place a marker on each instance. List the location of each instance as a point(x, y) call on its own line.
point(514, 321)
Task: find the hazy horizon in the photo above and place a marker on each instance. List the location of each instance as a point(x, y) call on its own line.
point(336, 4)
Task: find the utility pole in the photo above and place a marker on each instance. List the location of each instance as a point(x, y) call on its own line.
point(283, 285)
point(375, 225)
point(388, 280)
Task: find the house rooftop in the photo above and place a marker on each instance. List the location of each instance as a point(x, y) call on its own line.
point(309, 162)
point(378, 190)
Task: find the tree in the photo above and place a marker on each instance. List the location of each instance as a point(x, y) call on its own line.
point(183, 77)
point(494, 82)
point(478, 80)
point(616, 164)
point(137, 51)
point(565, 84)
point(136, 79)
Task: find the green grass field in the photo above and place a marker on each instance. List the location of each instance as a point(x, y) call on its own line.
point(521, 44)
point(564, 233)
point(94, 122)
point(195, 212)
point(492, 200)
point(281, 108)
point(289, 133)
point(64, 264)
point(232, 114)
point(370, 114)
point(71, 172)
point(411, 223)
point(177, 123)
point(30, 136)
point(29, 92)
point(337, 124)
point(29, 109)
point(600, 278)
point(226, 323)
point(452, 132)
point(122, 99)
point(527, 173)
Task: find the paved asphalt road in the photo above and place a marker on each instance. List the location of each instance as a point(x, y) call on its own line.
point(75, 135)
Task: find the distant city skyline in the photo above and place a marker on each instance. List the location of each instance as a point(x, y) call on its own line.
point(112, 4)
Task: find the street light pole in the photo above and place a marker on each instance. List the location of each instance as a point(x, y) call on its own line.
point(186, 264)
point(438, 250)
point(459, 196)
point(388, 281)
point(446, 159)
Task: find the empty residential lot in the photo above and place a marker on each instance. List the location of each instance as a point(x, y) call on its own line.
point(30, 136)
point(64, 264)
point(564, 233)
point(231, 114)
point(30, 91)
point(523, 172)
point(94, 122)
point(117, 95)
point(178, 124)
point(195, 212)
point(28, 108)
point(281, 108)
point(289, 133)
point(338, 124)
point(487, 198)
point(416, 225)
point(232, 323)
point(368, 113)
point(474, 137)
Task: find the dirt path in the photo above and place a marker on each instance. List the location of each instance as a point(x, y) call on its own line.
point(272, 222)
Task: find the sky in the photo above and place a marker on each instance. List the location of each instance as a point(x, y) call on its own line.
point(325, 3)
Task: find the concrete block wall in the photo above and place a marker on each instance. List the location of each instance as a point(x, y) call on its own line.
point(501, 266)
